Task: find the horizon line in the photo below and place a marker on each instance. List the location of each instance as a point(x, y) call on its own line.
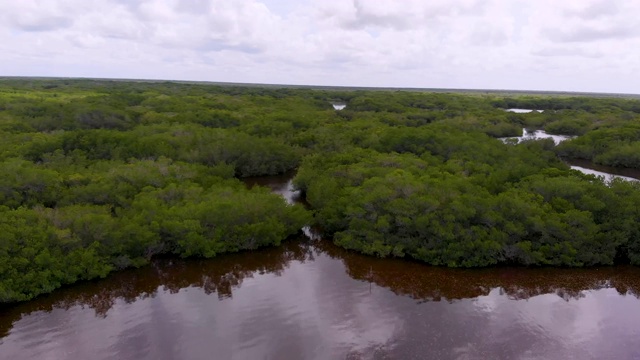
point(333, 87)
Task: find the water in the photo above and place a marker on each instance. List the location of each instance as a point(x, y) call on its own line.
point(537, 134)
point(522, 111)
point(608, 172)
point(279, 184)
point(338, 106)
point(309, 299)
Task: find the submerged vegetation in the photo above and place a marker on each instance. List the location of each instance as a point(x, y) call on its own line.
point(102, 175)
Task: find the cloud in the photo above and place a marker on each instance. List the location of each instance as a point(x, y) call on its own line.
point(413, 43)
point(399, 16)
point(567, 51)
point(487, 35)
point(33, 15)
point(594, 10)
point(589, 21)
point(587, 33)
point(367, 14)
point(34, 23)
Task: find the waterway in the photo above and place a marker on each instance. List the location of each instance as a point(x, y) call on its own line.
point(537, 134)
point(607, 172)
point(522, 111)
point(587, 167)
point(309, 299)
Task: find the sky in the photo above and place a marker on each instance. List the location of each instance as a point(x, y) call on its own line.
point(568, 45)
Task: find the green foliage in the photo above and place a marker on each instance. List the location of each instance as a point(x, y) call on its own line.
point(568, 127)
point(36, 258)
point(102, 175)
point(614, 146)
point(192, 221)
point(445, 213)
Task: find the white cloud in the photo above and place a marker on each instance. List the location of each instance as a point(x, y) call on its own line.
point(513, 44)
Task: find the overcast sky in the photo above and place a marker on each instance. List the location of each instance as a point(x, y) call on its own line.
point(576, 45)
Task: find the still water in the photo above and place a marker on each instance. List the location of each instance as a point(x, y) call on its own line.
point(522, 111)
point(537, 134)
point(608, 172)
point(309, 299)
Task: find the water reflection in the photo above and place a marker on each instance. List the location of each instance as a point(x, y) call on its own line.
point(535, 135)
point(522, 111)
point(311, 299)
point(425, 283)
point(608, 172)
point(278, 184)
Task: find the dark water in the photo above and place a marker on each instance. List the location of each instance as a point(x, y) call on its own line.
point(608, 172)
point(280, 184)
point(311, 300)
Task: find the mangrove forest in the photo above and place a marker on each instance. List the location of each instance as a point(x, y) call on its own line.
point(101, 175)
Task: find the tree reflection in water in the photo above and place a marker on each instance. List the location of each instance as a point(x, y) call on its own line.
point(222, 275)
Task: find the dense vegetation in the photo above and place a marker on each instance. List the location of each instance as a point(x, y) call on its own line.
point(104, 175)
